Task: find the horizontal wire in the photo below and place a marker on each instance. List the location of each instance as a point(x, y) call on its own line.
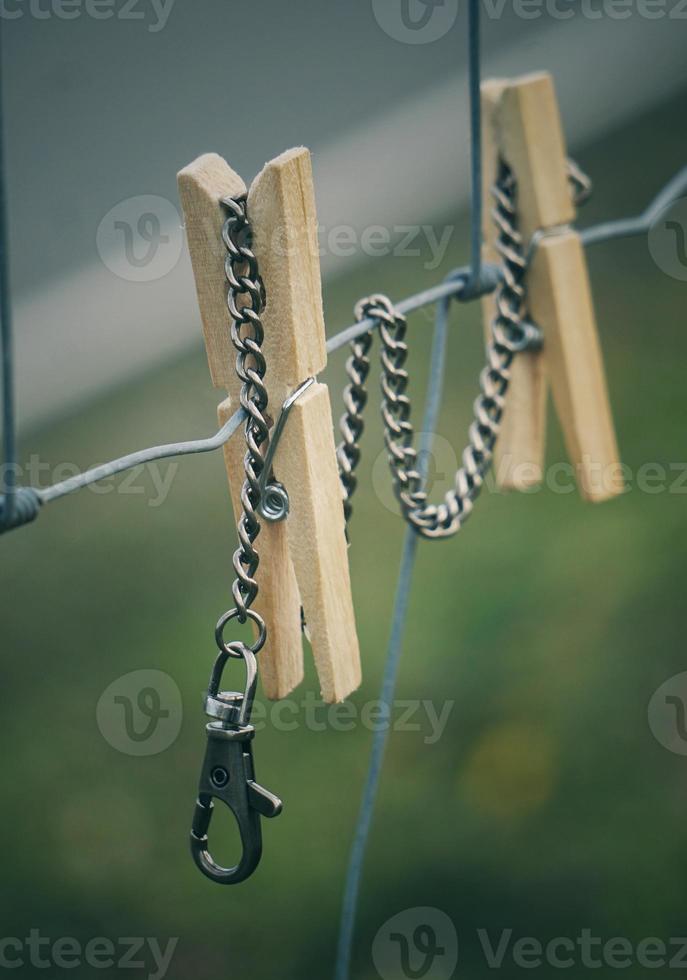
point(444, 290)
point(595, 235)
point(454, 287)
point(629, 227)
point(451, 287)
point(143, 456)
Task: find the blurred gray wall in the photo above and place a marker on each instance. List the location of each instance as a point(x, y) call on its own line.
point(103, 111)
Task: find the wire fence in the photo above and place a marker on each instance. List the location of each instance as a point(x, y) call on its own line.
point(9, 434)
point(16, 501)
point(20, 505)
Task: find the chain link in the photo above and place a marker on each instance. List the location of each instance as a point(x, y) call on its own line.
point(442, 520)
point(510, 333)
point(228, 772)
point(246, 302)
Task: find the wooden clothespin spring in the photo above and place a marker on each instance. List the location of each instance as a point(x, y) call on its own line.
point(274, 497)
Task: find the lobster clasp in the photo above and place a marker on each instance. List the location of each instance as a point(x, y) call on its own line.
point(228, 774)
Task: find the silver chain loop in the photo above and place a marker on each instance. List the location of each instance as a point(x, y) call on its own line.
point(246, 302)
point(510, 333)
point(228, 772)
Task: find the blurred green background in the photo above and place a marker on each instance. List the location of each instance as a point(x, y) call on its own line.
point(546, 806)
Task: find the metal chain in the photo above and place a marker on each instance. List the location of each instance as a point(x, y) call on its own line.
point(510, 333)
point(228, 772)
point(246, 302)
point(351, 423)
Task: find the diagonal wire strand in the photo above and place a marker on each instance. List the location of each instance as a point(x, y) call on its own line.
point(474, 77)
point(433, 403)
point(9, 440)
point(19, 505)
point(594, 235)
point(454, 287)
point(393, 656)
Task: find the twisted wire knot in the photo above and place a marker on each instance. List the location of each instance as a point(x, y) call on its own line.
point(24, 508)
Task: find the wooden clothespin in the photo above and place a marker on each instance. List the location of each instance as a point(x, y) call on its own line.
point(522, 126)
point(303, 559)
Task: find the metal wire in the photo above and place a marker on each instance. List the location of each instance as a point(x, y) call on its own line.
point(474, 76)
point(629, 227)
point(18, 505)
point(143, 456)
point(9, 440)
point(595, 235)
point(381, 735)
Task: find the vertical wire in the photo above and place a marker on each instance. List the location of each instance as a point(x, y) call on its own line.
point(8, 422)
point(474, 76)
point(380, 738)
point(393, 656)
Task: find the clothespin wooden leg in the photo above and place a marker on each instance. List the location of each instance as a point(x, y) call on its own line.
point(309, 548)
point(519, 451)
point(281, 205)
point(530, 139)
point(278, 602)
point(202, 185)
